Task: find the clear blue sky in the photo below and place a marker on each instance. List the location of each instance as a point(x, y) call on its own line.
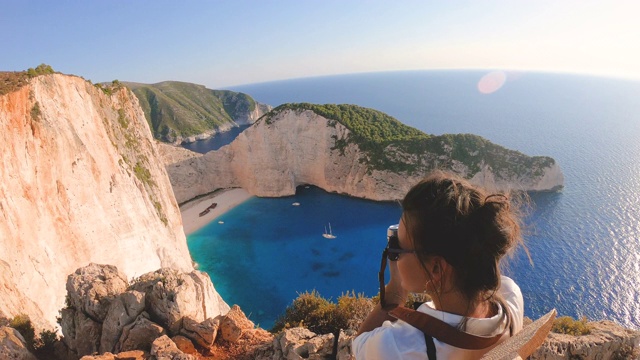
point(233, 42)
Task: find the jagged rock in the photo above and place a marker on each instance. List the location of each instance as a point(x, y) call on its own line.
point(202, 333)
point(67, 325)
point(127, 355)
point(164, 348)
point(300, 343)
point(184, 344)
point(344, 345)
point(139, 335)
point(68, 173)
point(257, 343)
point(13, 346)
point(92, 288)
point(105, 356)
point(607, 340)
point(234, 324)
point(156, 304)
point(132, 355)
point(213, 304)
point(124, 309)
point(62, 352)
point(172, 295)
point(88, 334)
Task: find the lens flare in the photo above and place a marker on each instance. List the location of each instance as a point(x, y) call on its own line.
point(492, 82)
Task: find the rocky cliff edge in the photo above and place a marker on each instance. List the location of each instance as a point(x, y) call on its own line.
point(80, 181)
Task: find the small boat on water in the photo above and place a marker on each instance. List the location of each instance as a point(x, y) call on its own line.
point(296, 204)
point(328, 235)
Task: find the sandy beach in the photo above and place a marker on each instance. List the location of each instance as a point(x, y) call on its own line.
point(226, 200)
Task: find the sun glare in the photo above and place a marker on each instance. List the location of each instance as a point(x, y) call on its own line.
point(492, 82)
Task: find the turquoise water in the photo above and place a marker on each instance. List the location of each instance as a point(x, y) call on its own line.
point(584, 240)
point(268, 250)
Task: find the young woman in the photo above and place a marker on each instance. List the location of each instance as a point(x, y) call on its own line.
point(451, 238)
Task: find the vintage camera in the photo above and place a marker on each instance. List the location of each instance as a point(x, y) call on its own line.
point(392, 234)
point(390, 252)
point(392, 237)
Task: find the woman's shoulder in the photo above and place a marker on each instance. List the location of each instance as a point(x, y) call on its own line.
point(392, 340)
point(510, 292)
point(507, 283)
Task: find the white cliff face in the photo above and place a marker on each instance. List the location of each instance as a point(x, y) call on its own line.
point(80, 181)
point(295, 148)
point(252, 116)
point(272, 159)
point(551, 180)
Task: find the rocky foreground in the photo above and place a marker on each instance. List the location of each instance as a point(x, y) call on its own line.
point(167, 314)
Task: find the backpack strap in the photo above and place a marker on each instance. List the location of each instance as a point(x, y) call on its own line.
point(442, 331)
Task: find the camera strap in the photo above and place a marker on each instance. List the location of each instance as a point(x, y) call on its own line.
point(436, 328)
point(444, 332)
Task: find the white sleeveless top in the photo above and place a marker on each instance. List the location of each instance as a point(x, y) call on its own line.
point(399, 340)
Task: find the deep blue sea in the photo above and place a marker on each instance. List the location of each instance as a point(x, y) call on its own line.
point(584, 240)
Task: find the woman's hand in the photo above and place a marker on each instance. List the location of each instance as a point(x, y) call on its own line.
point(395, 293)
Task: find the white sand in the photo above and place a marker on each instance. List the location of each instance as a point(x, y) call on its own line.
point(226, 199)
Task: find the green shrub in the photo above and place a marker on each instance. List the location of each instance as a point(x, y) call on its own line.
point(122, 119)
point(143, 174)
point(568, 325)
point(35, 112)
point(353, 309)
point(44, 69)
point(310, 310)
point(44, 345)
point(22, 323)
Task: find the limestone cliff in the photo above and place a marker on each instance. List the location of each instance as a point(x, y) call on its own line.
point(80, 182)
point(294, 147)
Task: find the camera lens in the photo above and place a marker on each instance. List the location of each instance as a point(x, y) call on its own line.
point(392, 230)
point(392, 242)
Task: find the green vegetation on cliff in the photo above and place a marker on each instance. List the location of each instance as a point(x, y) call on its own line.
point(570, 326)
point(387, 144)
point(13, 80)
point(178, 109)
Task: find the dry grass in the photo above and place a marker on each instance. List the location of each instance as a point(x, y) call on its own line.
point(11, 81)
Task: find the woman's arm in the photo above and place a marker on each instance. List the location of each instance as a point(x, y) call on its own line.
point(395, 294)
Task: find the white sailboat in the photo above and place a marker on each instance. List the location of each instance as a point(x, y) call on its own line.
point(328, 235)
